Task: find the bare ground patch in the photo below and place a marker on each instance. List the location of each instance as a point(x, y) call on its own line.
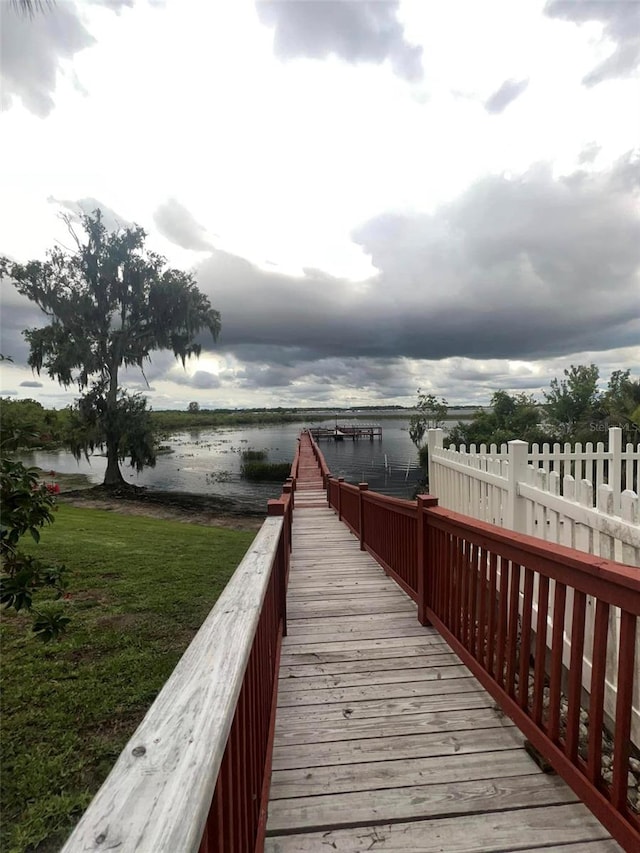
point(188, 509)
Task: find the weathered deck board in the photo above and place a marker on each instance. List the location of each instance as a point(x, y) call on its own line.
point(328, 716)
point(430, 684)
point(384, 740)
point(400, 773)
point(493, 832)
point(398, 746)
point(437, 721)
point(359, 667)
point(418, 801)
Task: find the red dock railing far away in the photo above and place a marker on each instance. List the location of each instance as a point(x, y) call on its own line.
point(492, 594)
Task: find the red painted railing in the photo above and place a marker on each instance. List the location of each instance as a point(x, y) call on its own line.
point(386, 527)
point(390, 530)
point(238, 815)
point(349, 507)
point(492, 595)
point(296, 462)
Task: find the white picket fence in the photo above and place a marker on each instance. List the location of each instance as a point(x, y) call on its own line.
point(542, 492)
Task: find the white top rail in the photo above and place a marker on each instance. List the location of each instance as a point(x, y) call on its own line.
point(158, 795)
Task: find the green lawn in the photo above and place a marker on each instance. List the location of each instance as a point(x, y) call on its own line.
point(140, 588)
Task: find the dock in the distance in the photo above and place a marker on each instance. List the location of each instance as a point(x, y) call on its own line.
point(354, 432)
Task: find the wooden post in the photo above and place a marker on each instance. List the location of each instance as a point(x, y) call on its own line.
point(423, 502)
point(340, 481)
point(329, 478)
point(275, 507)
point(362, 487)
point(516, 506)
point(289, 489)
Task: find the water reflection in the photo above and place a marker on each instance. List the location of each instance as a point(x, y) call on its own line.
point(208, 461)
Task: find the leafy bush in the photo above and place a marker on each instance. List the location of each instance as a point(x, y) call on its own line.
point(32, 424)
point(26, 506)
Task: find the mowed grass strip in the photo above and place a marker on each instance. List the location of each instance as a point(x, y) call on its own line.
point(140, 588)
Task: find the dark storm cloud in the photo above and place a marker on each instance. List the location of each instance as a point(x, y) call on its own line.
point(364, 374)
point(353, 30)
point(31, 384)
point(18, 313)
point(34, 48)
point(200, 379)
point(177, 224)
point(112, 221)
point(522, 267)
point(621, 25)
point(505, 95)
point(525, 267)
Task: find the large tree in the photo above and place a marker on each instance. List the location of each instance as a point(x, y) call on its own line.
point(111, 303)
point(621, 404)
point(508, 417)
point(430, 414)
point(573, 404)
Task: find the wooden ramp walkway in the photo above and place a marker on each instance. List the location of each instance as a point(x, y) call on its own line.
point(384, 741)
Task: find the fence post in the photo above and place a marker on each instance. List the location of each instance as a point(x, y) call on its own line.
point(362, 487)
point(435, 438)
point(289, 488)
point(516, 517)
point(340, 482)
point(423, 501)
point(329, 478)
point(276, 508)
point(615, 471)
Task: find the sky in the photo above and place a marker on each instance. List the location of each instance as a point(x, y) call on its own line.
point(377, 196)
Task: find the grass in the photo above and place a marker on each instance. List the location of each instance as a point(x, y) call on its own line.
point(253, 456)
point(140, 588)
point(254, 466)
point(268, 472)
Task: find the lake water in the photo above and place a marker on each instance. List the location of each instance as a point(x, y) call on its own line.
point(208, 461)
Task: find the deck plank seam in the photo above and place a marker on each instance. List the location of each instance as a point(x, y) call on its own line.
point(390, 821)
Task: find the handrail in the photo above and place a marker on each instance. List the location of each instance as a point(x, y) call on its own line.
point(398, 504)
point(296, 462)
point(491, 592)
point(389, 535)
point(191, 777)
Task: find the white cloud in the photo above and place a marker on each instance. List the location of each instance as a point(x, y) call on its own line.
point(365, 224)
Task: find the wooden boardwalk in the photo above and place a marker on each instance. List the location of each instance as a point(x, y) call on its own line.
point(384, 741)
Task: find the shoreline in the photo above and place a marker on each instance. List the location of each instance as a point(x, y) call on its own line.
point(186, 507)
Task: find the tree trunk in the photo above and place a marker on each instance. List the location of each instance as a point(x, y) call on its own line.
point(112, 476)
